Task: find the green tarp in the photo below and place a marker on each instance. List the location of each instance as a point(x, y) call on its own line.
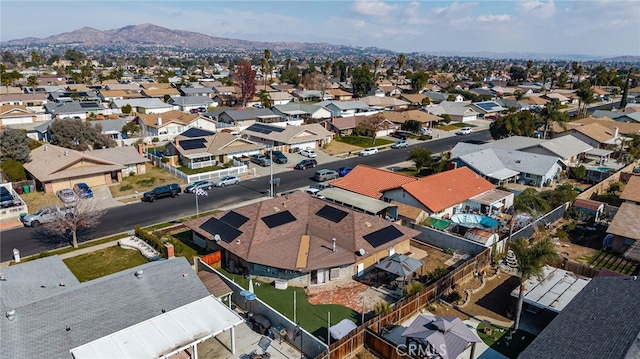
point(440, 224)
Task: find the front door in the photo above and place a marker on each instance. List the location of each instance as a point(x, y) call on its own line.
point(320, 276)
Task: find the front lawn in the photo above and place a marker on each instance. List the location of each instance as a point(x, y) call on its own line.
point(312, 318)
point(363, 141)
point(413, 172)
point(498, 340)
point(453, 126)
point(154, 176)
point(103, 262)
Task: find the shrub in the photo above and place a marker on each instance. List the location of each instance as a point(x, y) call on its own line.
point(449, 250)
point(453, 296)
point(155, 139)
point(132, 173)
point(14, 170)
point(425, 137)
point(412, 289)
point(562, 234)
point(126, 187)
point(147, 182)
point(154, 241)
point(381, 307)
point(164, 160)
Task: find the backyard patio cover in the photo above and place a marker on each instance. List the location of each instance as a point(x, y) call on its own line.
point(165, 334)
point(449, 336)
point(400, 264)
point(340, 330)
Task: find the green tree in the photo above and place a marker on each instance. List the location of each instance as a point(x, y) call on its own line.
point(530, 201)
point(614, 188)
point(514, 124)
point(586, 95)
point(78, 135)
point(411, 126)
point(376, 66)
point(550, 115)
point(265, 98)
point(559, 195)
point(625, 91)
point(418, 81)
point(362, 80)
point(421, 156)
point(402, 59)
point(426, 101)
point(32, 81)
point(578, 172)
point(126, 109)
point(531, 258)
point(14, 144)
point(14, 170)
point(290, 76)
point(446, 118)
point(131, 128)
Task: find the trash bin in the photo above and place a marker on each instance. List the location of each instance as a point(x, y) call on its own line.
point(26, 188)
point(32, 188)
point(20, 190)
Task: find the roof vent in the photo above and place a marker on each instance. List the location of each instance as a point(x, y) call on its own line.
point(361, 252)
point(276, 209)
point(62, 284)
point(2, 277)
point(139, 273)
point(11, 314)
point(518, 161)
point(333, 244)
point(66, 153)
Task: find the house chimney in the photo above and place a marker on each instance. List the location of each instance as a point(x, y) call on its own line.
point(615, 132)
point(333, 246)
point(168, 249)
point(140, 150)
point(159, 121)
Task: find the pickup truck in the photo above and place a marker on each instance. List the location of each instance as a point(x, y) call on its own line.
point(170, 190)
point(45, 215)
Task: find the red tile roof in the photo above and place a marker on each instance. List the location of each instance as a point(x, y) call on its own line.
point(371, 181)
point(443, 190)
point(587, 204)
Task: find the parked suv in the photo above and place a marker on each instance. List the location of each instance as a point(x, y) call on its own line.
point(261, 159)
point(278, 157)
point(325, 175)
point(170, 190)
point(306, 163)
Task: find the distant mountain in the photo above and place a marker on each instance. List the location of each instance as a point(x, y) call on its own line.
point(149, 35)
point(632, 59)
point(518, 55)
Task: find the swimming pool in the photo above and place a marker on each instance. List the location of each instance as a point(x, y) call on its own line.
point(601, 169)
point(474, 220)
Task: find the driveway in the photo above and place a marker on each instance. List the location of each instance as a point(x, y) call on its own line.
point(102, 195)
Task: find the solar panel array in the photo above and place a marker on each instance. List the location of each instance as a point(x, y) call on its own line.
point(193, 144)
point(382, 236)
point(89, 105)
point(196, 132)
point(278, 219)
point(226, 232)
point(331, 213)
point(234, 219)
point(486, 105)
point(262, 128)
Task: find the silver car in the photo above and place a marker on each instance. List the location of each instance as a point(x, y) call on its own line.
point(227, 180)
point(67, 195)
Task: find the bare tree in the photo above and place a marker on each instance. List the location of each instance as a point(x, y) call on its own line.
point(369, 126)
point(83, 214)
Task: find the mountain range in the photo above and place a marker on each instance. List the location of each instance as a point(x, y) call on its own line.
point(149, 35)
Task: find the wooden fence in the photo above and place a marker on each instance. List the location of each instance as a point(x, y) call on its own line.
point(213, 259)
point(402, 310)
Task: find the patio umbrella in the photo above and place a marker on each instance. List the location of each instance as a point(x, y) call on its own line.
point(448, 336)
point(400, 265)
point(251, 286)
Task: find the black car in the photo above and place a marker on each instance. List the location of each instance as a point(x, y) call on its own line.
point(306, 163)
point(400, 135)
point(278, 157)
point(170, 190)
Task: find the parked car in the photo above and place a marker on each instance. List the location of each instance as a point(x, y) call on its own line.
point(425, 131)
point(83, 190)
point(202, 109)
point(294, 150)
point(314, 192)
point(45, 215)
point(464, 131)
point(67, 195)
point(170, 190)
point(343, 171)
point(194, 110)
point(399, 134)
point(308, 152)
point(278, 157)
point(306, 163)
point(368, 151)
point(198, 185)
point(6, 198)
point(227, 180)
point(261, 159)
point(400, 144)
point(325, 175)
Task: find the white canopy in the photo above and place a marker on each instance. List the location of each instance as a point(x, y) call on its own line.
point(161, 335)
point(341, 329)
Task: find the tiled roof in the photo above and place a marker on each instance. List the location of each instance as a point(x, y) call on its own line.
point(371, 181)
point(278, 246)
point(600, 322)
point(632, 190)
point(126, 155)
point(625, 222)
point(443, 190)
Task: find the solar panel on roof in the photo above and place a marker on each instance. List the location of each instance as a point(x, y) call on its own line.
point(88, 104)
point(382, 236)
point(193, 144)
point(196, 132)
point(331, 213)
point(226, 232)
point(278, 219)
point(262, 128)
point(234, 219)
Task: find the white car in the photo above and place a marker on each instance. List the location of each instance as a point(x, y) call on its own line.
point(368, 151)
point(464, 131)
point(307, 152)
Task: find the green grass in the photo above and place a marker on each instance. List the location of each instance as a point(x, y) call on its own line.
point(454, 126)
point(193, 171)
point(412, 171)
point(313, 318)
point(498, 340)
point(363, 141)
point(103, 262)
point(189, 249)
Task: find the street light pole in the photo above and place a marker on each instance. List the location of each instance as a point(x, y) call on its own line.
point(271, 194)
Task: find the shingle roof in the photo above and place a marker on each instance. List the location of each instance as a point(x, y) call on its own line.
point(631, 191)
point(625, 223)
point(149, 103)
point(72, 107)
point(126, 155)
point(623, 127)
point(383, 101)
point(249, 113)
point(97, 308)
point(415, 115)
point(371, 181)
point(345, 105)
point(292, 134)
point(278, 246)
point(151, 119)
point(221, 143)
point(596, 132)
point(191, 101)
point(565, 146)
point(600, 322)
point(445, 189)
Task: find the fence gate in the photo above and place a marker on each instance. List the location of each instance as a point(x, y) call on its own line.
point(213, 259)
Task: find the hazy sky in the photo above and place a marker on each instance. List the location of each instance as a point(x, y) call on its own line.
point(592, 27)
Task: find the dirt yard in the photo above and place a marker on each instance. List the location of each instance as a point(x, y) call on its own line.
point(337, 147)
point(435, 257)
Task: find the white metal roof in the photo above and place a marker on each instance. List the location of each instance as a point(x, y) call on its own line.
point(163, 334)
point(557, 289)
point(355, 200)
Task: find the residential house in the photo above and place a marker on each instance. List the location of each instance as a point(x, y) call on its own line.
point(45, 300)
point(618, 116)
point(624, 231)
point(300, 111)
point(132, 87)
point(485, 92)
point(224, 90)
point(345, 126)
point(112, 128)
point(279, 98)
point(535, 101)
point(568, 148)
point(426, 119)
point(15, 115)
point(386, 103)
point(438, 97)
point(311, 96)
point(196, 148)
point(631, 192)
point(188, 103)
point(502, 165)
point(287, 137)
point(414, 99)
point(604, 308)
point(283, 87)
point(371, 181)
point(10, 90)
point(346, 108)
point(457, 111)
point(38, 131)
point(596, 135)
point(142, 105)
point(512, 103)
point(485, 108)
point(73, 96)
point(24, 99)
point(226, 100)
point(246, 117)
point(71, 109)
point(300, 239)
point(156, 85)
point(159, 93)
point(196, 91)
point(387, 90)
point(340, 95)
point(442, 194)
point(624, 128)
point(171, 123)
point(557, 98)
point(54, 168)
point(111, 95)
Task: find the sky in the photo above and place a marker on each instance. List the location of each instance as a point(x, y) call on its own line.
point(593, 27)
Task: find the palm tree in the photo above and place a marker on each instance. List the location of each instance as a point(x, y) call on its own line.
point(551, 115)
point(263, 68)
point(529, 67)
point(267, 57)
point(265, 98)
point(531, 257)
point(586, 95)
point(402, 59)
point(376, 65)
